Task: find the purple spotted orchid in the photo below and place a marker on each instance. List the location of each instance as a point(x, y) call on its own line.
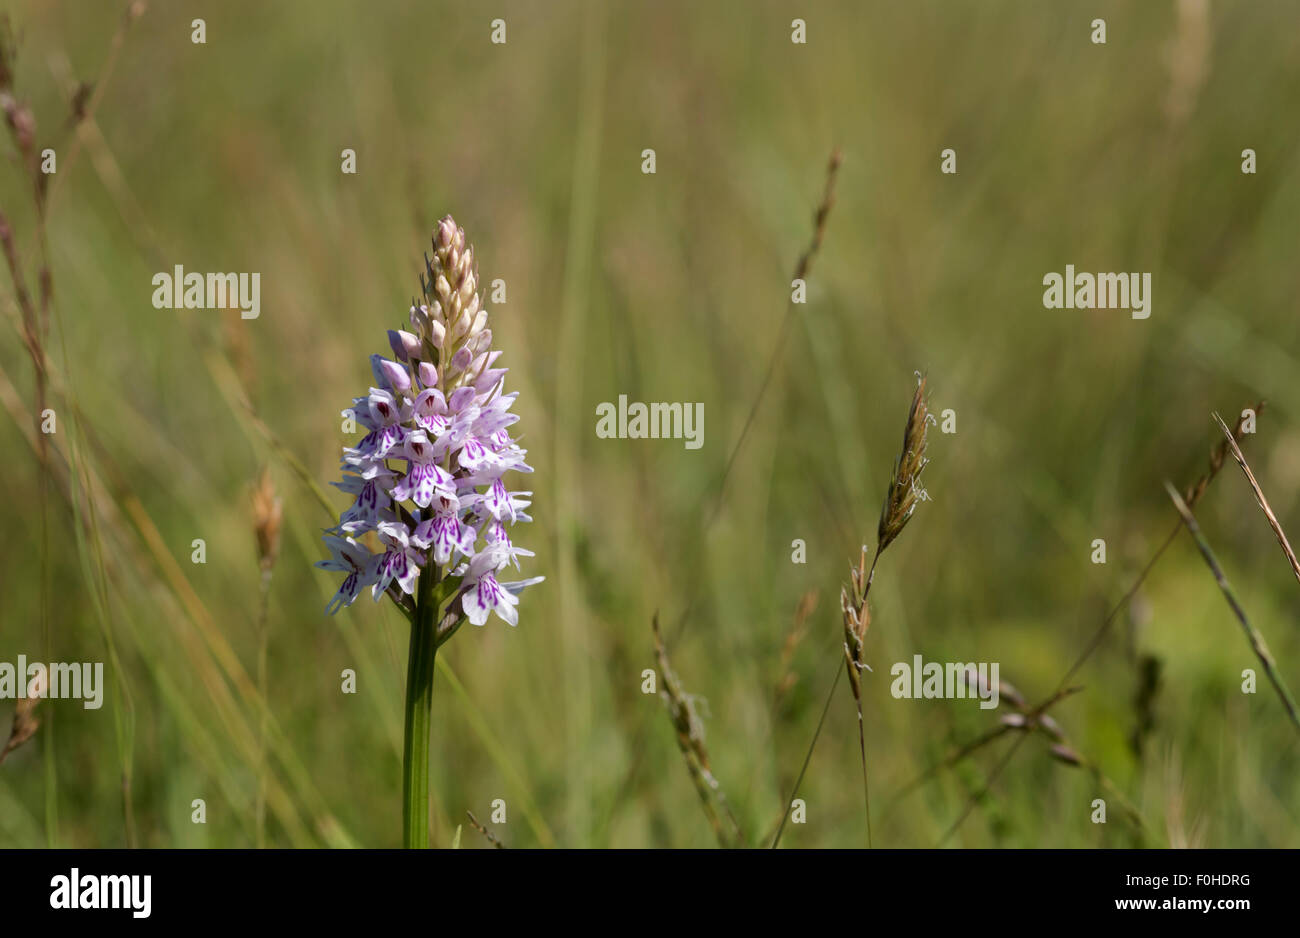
point(429, 475)
point(430, 521)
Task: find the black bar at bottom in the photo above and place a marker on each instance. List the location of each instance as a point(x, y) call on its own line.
point(1032, 888)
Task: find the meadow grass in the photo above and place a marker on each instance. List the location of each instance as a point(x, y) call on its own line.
point(226, 686)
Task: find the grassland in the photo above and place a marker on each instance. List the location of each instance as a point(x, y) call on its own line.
point(674, 286)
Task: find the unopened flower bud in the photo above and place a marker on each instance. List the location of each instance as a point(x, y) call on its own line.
point(437, 333)
point(428, 375)
point(445, 237)
point(389, 373)
point(461, 328)
point(406, 345)
point(480, 321)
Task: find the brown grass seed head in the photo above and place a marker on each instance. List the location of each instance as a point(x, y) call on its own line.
point(905, 484)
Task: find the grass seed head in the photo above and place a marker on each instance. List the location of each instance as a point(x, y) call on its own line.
point(267, 515)
point(26, 722)
point(1217, 456)
point(905, 489)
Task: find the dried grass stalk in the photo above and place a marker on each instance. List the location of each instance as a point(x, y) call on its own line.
point(690, 740)
point(901, 498)
point(1192, 496)
point(786, 676)
point(267, 515)
point(491, 837)
point(1256, 640)
point(1259, 497)
point(1217, 456)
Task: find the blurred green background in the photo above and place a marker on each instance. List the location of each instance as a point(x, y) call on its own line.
point(666, 287)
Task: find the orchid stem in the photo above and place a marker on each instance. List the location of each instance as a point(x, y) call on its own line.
point(419, 704)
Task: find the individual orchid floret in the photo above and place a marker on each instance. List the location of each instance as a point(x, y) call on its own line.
point(347, 556)
point(371, 488)
point(424, 477)
point(383, 415)
point(400, 562)
point(445, 532)
point(485, 594)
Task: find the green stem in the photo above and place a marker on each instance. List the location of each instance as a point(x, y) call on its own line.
point(419, 703)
